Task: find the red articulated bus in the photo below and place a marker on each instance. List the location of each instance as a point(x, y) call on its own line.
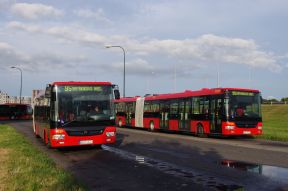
point(76, 113)
point(11, 111)
point(219, 111)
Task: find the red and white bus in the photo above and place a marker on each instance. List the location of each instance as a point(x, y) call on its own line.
point(219, 111)
point(76, 113)
point(11, 111)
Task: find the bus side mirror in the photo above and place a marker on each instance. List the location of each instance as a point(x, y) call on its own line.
point(117, 94)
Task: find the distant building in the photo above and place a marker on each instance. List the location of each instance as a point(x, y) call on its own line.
point(5, 98)
point(34, 94)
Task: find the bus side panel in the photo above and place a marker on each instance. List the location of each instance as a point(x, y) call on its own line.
point(193, 125)
point(41, 129)
point(146, 122)
point(4, 118)
point(173, 125)
point(157, 123)
point(133, 122)
point(206, 127)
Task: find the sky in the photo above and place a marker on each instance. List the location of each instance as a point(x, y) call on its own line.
point(170, 46)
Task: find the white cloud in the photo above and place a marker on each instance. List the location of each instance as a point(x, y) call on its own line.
point(44, 62)
point(35, 11)
point(9, 56)
point(89, 14)
point(212, 48)
point(136, 67)
point(207, 48)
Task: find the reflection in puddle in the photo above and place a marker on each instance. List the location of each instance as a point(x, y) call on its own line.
point(274, 172)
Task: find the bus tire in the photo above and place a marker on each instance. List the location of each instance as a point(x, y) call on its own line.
point(151, 126)
point(120, 124)
point(200, 131)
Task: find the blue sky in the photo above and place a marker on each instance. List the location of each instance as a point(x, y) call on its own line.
point(170, 45)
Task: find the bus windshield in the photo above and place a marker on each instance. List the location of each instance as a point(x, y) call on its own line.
point(244, 105)
point(86, 104)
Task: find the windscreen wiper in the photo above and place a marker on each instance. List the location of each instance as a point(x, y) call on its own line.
point(64, 124)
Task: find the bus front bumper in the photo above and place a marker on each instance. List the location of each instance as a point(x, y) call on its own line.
point(59, 138)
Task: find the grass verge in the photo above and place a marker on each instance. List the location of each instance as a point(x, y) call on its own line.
point(23, 167)
point(275, 122)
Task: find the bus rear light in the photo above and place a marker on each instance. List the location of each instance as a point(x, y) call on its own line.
point(110, 134)
point(58, 137)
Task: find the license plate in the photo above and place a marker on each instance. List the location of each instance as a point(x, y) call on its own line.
point(86, 142)
point(246, 132)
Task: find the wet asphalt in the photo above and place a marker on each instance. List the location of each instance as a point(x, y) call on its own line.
point(142, 160)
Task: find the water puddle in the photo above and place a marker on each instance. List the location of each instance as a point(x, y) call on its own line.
point(274, 172)
point(211, 182)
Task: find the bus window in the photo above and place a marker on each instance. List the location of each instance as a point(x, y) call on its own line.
point(196, 105)
point(174, 107)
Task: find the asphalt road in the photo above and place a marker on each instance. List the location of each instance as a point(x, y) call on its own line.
point(142, 160)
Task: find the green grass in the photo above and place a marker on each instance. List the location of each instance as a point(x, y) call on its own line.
point(275, 122)
point(23, 167)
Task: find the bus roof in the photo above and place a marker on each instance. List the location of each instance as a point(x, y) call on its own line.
point(187, 93)
point(81, 83)
point(201, 92)
point(127, 99)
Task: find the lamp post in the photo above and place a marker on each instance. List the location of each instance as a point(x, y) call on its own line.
point(21, 81)
point(218, 75)
point(124, 75)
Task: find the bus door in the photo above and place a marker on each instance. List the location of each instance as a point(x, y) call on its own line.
point(184, 114)
point(129, 113)
point(164, 114)
point(216, 114)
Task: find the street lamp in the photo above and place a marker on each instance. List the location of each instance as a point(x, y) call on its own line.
point(21, 81)
point(124, 66)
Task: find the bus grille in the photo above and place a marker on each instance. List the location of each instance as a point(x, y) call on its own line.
point(246, 124)
point(84, 132)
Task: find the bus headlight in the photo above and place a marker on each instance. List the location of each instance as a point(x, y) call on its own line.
point(229, 127)
point(110, 134)
point(58, 137)
point(260, 127)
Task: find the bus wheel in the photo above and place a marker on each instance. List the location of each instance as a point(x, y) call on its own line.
point(120, 123)
point(151, 126)
point(200, 131)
